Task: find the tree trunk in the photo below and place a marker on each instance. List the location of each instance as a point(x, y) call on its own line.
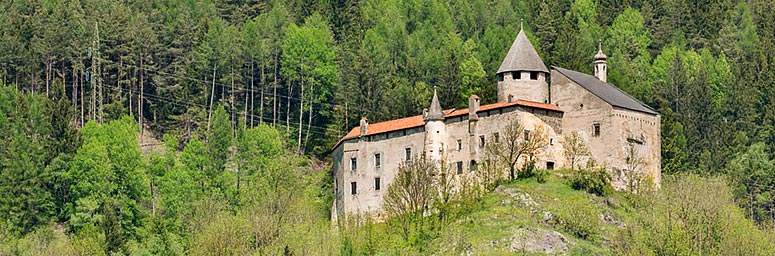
point(212, 96)
point(301, 114)
point(140, 99)
point(274, 101)
point(309, 122)
point(252, 93)
point(261, 102)
point(82, 110)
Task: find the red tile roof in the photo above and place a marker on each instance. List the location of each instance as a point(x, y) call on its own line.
point(417, 121)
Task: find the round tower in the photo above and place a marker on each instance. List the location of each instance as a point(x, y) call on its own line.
point(600, 64)
point(522, 75)
point(435, 131)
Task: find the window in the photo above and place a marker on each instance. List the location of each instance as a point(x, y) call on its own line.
point(353, 164)
point(596, 129)
point(472, 165)
point(500, 77)
point(551, 141)
point(459, 145)
point(376, 184)
point(533, 75)
point(408, 152)
point(377, 160)
point(481, 141)
point(527, 135)
point(496, 137)
point(550, 165)
point(353, 188)
point(460, 167)
point(516, 75)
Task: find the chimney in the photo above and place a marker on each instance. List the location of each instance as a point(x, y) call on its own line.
point(364, 126)
point(473, 107)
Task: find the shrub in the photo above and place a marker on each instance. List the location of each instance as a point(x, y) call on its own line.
point(541, 175)
point(595, 182)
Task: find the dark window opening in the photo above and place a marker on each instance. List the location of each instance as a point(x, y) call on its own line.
point(459, 145)
point(472, 165)
point(596, 131)
point(550, 165)
point(533, 75)
point(408, 152)
point(353, 188)
point(496, 137)
point(353, 164)
point(481, 141)
point(377, 160)
point(376, 183)
point(516, 75)
point(527, 135)
point(460, 167)
point(500, 77)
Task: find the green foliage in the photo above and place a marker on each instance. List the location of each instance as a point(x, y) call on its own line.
point(691, 214)
point(596, 182)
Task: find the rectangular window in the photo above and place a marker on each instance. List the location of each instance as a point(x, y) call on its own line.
point(377, 160)
point(533, 75)
point(596, 129)
point(353, 188)
point(376, 184)
point(460, 167)
point(408, 152)
point(500, 77)
point(481, 141)
point(550, 165)
point(353, 164)
point(472, 165)
point(551, 141)
point(527, 135)
point(496, 137)
point(516, 75)
point(459, 145)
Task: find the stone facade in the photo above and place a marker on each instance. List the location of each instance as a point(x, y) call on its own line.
point(623, 134)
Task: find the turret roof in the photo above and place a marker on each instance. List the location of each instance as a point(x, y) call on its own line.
point(435, 113)
point(522, 56)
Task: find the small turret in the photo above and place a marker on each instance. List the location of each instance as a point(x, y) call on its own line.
point(600, 63)
point(435, 130)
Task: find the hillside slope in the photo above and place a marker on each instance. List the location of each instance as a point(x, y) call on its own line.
point(689, 215)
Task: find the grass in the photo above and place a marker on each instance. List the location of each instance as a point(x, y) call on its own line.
point(574, 214)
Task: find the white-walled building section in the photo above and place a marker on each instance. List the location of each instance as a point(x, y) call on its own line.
point(622, 133)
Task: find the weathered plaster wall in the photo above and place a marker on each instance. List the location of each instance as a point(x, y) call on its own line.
point(582, 110)
point(523, 88)
point(391, 147)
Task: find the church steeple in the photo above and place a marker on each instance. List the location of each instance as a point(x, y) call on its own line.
point(600, 63)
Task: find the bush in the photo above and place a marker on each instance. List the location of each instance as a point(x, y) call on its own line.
point(579, 219)
point(541, 175)
point(596, 182)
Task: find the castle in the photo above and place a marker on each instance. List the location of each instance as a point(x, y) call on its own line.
point(617, 129)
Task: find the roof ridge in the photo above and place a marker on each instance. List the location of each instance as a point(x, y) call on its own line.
point(569, 75)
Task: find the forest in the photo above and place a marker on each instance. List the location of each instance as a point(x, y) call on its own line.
point(171, 126)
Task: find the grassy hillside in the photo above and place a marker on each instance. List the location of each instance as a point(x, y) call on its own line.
point(689, 215)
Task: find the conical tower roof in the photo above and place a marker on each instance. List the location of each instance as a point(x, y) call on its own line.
point(435, 113)
point(522, 56)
